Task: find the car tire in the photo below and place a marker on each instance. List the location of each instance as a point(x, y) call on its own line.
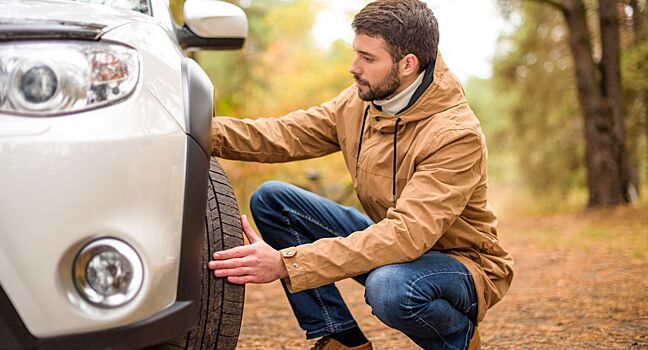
point(221, 302)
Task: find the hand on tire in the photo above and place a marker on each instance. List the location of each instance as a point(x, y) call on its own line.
point(256, 262)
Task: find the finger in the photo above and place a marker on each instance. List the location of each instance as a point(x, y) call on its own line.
point(248, 230)
point(228, 263)
point(237, 252)
point(241, 271)
point(241, 279)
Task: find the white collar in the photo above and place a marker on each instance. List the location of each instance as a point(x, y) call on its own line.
point(399, 101)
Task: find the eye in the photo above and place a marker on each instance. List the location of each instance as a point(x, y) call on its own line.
point(368, 59)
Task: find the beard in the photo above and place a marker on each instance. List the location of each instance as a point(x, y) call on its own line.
point(381, 90)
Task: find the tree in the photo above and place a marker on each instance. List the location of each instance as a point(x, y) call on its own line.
point(599, 96)
point(538, 125)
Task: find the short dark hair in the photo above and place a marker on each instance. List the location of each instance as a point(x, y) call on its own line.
point(407, 26)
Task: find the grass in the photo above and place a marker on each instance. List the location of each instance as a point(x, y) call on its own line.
point(623, 230)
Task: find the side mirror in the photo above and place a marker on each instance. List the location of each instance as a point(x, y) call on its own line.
point(212, 25)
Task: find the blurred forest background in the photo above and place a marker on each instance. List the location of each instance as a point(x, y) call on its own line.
point(565, 113)
point(531, 109)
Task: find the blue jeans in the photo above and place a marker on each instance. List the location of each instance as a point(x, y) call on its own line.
point(431, 299)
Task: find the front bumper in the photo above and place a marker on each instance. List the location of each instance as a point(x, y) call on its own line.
point(169, 323)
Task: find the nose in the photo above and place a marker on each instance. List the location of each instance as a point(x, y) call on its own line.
point(355, 67)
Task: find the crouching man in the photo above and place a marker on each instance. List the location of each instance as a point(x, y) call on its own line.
point(427, 250)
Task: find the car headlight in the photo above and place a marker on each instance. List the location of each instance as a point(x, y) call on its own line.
point(53, 78)
point(108, 272)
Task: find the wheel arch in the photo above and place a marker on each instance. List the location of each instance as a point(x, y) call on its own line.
point(198, 93)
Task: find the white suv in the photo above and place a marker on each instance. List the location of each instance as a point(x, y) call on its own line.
point(106, 176)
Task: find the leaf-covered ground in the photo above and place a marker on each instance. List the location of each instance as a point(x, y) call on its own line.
point(581, 283)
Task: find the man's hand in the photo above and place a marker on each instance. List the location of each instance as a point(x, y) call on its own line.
point(256, 262)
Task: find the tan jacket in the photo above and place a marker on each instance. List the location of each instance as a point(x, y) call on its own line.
point(440, 183)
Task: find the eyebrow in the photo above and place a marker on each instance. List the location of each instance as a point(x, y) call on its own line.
point(364, 53)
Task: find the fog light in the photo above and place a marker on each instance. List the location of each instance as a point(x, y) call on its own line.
point(108, 272)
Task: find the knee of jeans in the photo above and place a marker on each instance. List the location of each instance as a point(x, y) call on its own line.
point(264, 198)
point(266, 209)
point(386, 293)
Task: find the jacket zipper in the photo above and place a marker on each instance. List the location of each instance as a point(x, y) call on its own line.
point(395, 159)
point(364, 120)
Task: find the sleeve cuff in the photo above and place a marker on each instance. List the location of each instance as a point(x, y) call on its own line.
point(297, 275)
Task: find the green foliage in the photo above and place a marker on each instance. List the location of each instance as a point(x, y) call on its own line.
point(176, 11)
point(533, 75)
point(279, 70)
point(635, 89)
point(635, 68)
point(483, 99)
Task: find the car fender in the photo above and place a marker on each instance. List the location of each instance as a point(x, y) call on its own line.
point(198, 93)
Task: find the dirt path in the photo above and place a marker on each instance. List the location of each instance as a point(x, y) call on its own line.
point(564, 296)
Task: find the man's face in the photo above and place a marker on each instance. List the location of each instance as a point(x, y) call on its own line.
point(373, 69)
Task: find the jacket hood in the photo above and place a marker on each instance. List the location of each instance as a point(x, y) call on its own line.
point(36, 19)
point(442, 93)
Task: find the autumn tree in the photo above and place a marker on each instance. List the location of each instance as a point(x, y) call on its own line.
point(598, 83)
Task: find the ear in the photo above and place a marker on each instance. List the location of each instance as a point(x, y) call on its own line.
point(409, 65)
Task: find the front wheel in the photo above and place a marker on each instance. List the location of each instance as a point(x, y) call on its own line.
point(221, 303)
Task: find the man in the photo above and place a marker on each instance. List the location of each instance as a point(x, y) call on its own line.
point(427, 252)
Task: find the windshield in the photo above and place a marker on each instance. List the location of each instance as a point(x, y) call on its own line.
point(135, 5)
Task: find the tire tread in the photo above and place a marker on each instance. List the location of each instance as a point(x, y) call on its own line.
point(221, 304)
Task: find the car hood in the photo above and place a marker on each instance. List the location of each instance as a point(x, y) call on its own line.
point(58, 18)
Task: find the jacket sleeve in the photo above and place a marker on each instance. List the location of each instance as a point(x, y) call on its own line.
point(434, 197)
point(299, 135)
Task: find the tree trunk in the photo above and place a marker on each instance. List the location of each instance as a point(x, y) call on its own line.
point(604, 172)
point(611, 85)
